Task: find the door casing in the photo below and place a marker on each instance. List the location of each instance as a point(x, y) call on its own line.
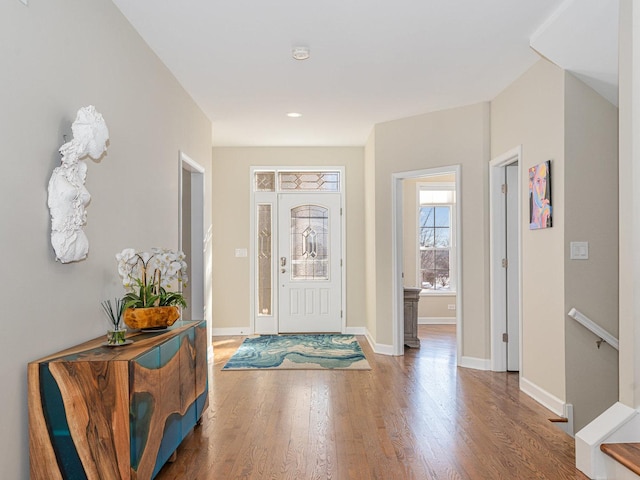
point(512, 229)
point(397, 300)
point(497, 245)
point(192, 218)
point(269, 324)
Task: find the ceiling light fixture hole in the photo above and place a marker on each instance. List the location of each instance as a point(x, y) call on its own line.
point(300, 53)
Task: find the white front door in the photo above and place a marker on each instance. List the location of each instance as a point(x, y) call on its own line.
point(309, 262)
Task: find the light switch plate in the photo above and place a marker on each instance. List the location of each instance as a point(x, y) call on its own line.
point(241, 252)
point(579, 250)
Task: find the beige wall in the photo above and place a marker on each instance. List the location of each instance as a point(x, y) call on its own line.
point(555, 116)
point(410, 233)
point(231, 209)
point(435, 309)
point(591, 203)
point(458, 136)
point(58, 56)
point(530, 112)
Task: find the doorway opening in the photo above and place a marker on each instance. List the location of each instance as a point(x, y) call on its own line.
point(505, 260)
point(191, 234)
point(440, 285)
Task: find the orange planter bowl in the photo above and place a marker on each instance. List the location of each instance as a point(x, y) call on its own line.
point(151, 317)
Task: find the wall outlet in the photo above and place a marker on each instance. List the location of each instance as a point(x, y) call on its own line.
point(451, 307)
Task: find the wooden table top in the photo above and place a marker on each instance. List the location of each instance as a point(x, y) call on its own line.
point(96, 350)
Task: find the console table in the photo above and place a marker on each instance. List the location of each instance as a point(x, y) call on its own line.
point(411, 298)
point(100, 412)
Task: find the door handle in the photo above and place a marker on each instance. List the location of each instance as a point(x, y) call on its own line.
point(283, 261)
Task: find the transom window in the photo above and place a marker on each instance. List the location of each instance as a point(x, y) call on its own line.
point(318, 181)
point(435, 237)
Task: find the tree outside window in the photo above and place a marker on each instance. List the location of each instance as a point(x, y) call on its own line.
point(435, 247)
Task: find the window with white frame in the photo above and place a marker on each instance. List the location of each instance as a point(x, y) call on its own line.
point(436, 237)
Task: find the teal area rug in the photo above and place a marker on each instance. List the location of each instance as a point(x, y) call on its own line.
point(302, 352)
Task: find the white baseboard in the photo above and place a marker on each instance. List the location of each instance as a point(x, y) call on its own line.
point(379, 347)
point(223, 332)
point(475, 363)
point(543, 397)
point(355, 331)
point(436, 320)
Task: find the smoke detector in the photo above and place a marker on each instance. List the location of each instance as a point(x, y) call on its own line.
point(300, 53)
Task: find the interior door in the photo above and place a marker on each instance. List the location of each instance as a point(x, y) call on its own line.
point(512, 255)
point(309, 263)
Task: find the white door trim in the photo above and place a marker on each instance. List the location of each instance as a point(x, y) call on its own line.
point(397, 300)
point(271, 326)
point(496, 254)
point(197, 274)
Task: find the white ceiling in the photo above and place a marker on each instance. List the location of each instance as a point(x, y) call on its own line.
point(371, 60)
point(582, 37)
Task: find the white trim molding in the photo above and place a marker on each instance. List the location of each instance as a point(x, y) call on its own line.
point(195, 223)
point(543, 397)
point(436, 320)
point(397, 287)
point(355, 331)
point(618, 424)
point(475, 363)
point(381, 348)
point(497, 247)
point(224, 332)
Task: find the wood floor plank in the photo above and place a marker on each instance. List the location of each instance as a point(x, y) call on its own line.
point(413, 417)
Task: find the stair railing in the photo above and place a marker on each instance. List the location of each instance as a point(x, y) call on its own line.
point(594, 328)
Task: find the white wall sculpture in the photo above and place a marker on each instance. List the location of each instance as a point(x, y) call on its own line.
point(68, 196)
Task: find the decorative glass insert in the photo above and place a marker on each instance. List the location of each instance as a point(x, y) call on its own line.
point(265, 181)
point(309, 243)
point(435, 244)
point(310, 181)
point(264, 259)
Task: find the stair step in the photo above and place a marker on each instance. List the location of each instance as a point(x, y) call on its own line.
point(628, 454)
point(559, 420)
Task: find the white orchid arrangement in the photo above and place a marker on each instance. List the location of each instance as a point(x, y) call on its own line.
point(150, 277)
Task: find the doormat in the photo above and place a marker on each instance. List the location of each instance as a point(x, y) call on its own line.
point(299, 352)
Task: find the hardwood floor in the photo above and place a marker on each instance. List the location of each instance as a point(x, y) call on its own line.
point(411, 417)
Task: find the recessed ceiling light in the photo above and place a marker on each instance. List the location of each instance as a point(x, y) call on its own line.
point(294, 114)
point(300, 53)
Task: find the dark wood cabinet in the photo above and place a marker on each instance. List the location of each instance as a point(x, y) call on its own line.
point(100, 412)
